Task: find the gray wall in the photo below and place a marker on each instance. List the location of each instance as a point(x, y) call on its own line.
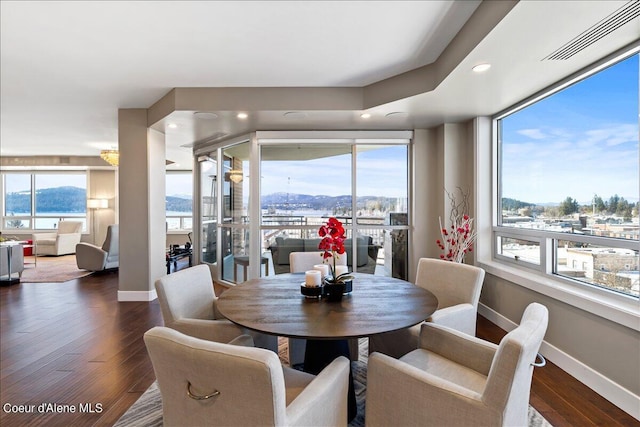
point(611, 349)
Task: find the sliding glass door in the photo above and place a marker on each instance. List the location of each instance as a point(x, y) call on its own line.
point(250, 226)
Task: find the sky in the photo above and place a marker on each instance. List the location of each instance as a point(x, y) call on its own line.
point(578, 142)
point(381, 172)
point(22, 181)
point(179, 184)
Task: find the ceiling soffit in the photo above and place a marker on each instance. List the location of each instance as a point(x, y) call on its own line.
point(421, 80)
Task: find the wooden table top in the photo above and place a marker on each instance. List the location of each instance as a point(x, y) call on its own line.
point(274, 305)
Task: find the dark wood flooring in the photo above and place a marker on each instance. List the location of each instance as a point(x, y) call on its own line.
point(73, 344)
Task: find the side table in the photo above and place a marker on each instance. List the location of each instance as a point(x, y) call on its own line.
point(244, 262)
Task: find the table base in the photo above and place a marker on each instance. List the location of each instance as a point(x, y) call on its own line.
point(319, 354)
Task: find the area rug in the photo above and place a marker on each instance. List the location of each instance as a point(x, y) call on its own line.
point(147, 410)
point(51, 269)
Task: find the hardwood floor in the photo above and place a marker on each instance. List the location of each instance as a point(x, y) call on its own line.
point(73, 344)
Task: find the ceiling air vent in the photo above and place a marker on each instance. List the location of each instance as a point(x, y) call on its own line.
point(617, 19)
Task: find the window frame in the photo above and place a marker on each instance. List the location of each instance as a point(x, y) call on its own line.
point(34, 216)
point(609, 304)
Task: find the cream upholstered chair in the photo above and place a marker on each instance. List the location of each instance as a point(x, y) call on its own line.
point(299, 262)
point(188, 303)
point(457, 287)
point(455, 379)
point(96, 258)
point(61, 242)
point(210, 383)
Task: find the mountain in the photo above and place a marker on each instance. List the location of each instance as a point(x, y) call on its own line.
point(49, 200)
point(513, 204)
point(178, 204)
point(321, 202)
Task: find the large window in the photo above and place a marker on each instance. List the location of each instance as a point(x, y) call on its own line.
point(179, 201)
point(569, 182)
point(38, 201)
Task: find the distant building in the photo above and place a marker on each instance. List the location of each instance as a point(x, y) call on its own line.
point(610, 267)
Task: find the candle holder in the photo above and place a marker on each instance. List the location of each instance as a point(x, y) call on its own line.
point(311, 291)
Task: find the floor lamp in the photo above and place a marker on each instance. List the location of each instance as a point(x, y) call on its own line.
point(96, 204)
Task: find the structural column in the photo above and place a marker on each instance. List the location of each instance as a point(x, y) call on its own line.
point(141, 187)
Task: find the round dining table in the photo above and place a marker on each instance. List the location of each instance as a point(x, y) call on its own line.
point(377, 304)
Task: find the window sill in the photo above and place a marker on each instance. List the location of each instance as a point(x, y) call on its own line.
point(609, 305)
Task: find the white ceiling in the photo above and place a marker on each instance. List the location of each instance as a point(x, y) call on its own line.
point(66, 67)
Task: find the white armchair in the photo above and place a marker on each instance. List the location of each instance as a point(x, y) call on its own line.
point(61, 242)
point(188, 303)
point(206, 383)
point(95, 258)
point(454, 379)
point(457, 287)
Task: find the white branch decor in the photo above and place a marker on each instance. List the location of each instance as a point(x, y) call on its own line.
point(458, 238)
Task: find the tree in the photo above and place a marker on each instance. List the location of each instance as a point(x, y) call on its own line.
point(568, 206)
point(624, 209)
point(599, 204)
point(612, 206)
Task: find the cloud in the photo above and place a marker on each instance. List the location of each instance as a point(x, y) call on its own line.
point(614, 135)
point(532, 133)
point(603, 160)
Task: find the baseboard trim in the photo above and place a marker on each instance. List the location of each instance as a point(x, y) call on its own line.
point(130, 296)
point(613, 392)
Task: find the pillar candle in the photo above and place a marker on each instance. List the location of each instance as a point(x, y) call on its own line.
point(312, 278)
point(341, 269)
point(323, 269)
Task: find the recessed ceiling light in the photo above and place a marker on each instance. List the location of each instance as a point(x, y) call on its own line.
point(481, 67)
point(365, 115)
point(204, 115)
point(397, 115)
point(295, 115)
point(242, 115)
point(172, 125)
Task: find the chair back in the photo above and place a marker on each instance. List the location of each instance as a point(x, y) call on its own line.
point(509, 380)
point(299, 262)
point(451, 282)
point(69, 227)
point(209, 383)
point(187, 293)
point(111, 243)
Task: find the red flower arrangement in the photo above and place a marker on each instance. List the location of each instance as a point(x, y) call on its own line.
point(458, 239)
point(332, 243)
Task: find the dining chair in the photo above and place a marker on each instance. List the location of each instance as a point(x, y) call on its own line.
point(454, 379)
point(299, 262)
point(210, 383)
point(457, 287)
point(188, 304)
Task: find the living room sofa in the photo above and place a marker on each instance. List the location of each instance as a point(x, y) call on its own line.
point(367, 252)
point(17, 261)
